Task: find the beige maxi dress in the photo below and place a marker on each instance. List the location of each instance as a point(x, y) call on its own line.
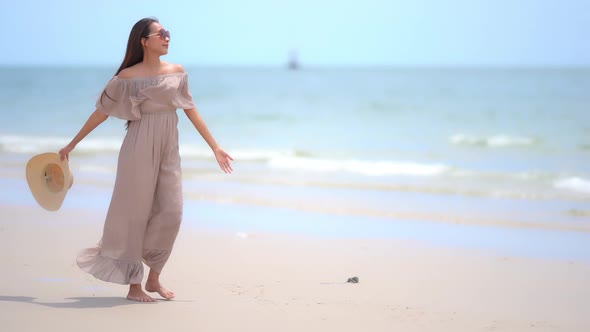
point(146, 207)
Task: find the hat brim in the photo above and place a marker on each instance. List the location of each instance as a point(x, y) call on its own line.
point(48, 199)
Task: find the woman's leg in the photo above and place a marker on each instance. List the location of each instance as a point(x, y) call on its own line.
point(164, 222)
point(118, 258)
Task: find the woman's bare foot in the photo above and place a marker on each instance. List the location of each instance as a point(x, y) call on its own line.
point(153, 285)
point(137, 294)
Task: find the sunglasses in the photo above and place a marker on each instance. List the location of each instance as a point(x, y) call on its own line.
point(163, 34)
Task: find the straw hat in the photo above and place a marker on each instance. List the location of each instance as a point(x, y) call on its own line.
point(49, 179)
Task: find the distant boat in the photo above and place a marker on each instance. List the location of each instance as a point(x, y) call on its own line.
point(293, 63)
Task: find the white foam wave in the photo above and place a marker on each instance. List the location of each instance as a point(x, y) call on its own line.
point(39, 144)
point(91, 168)
point(371, 168)
point(574, 183)
point(30, 144)
point(187, 150)
point(496, 141)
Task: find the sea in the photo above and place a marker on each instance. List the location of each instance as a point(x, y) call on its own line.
point(478, 149)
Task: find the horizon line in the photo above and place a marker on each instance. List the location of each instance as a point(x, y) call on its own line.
point(318, 66)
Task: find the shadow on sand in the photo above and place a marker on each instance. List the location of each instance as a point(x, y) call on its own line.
point(77, 302)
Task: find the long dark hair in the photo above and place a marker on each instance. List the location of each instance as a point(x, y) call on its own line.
point(134, 52)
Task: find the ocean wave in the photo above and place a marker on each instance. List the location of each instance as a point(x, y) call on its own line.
point(363, 167)
point(495, 141)
point(92, 168)
point(261, 155)
point(574, 183)
point(39, 144)
point(29, 144)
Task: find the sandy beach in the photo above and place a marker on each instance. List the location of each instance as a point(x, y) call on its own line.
point(228, 281)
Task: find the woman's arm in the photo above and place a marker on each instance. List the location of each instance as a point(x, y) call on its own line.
point(223, 159)
point(95, 119)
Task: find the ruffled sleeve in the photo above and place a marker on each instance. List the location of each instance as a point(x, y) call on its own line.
point(183, 98)
point(118, 99)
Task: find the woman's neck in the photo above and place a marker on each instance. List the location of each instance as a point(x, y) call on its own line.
point(151, 63)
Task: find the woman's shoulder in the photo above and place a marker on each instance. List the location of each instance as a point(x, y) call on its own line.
point(130, 72)
point(173, 68)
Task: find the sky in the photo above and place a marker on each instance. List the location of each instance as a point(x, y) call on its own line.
point(324, 32)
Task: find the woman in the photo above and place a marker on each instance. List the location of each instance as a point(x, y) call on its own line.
point(146, 207)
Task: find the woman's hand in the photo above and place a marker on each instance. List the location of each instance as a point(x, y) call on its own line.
point(65, 152)
point(223, 160)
